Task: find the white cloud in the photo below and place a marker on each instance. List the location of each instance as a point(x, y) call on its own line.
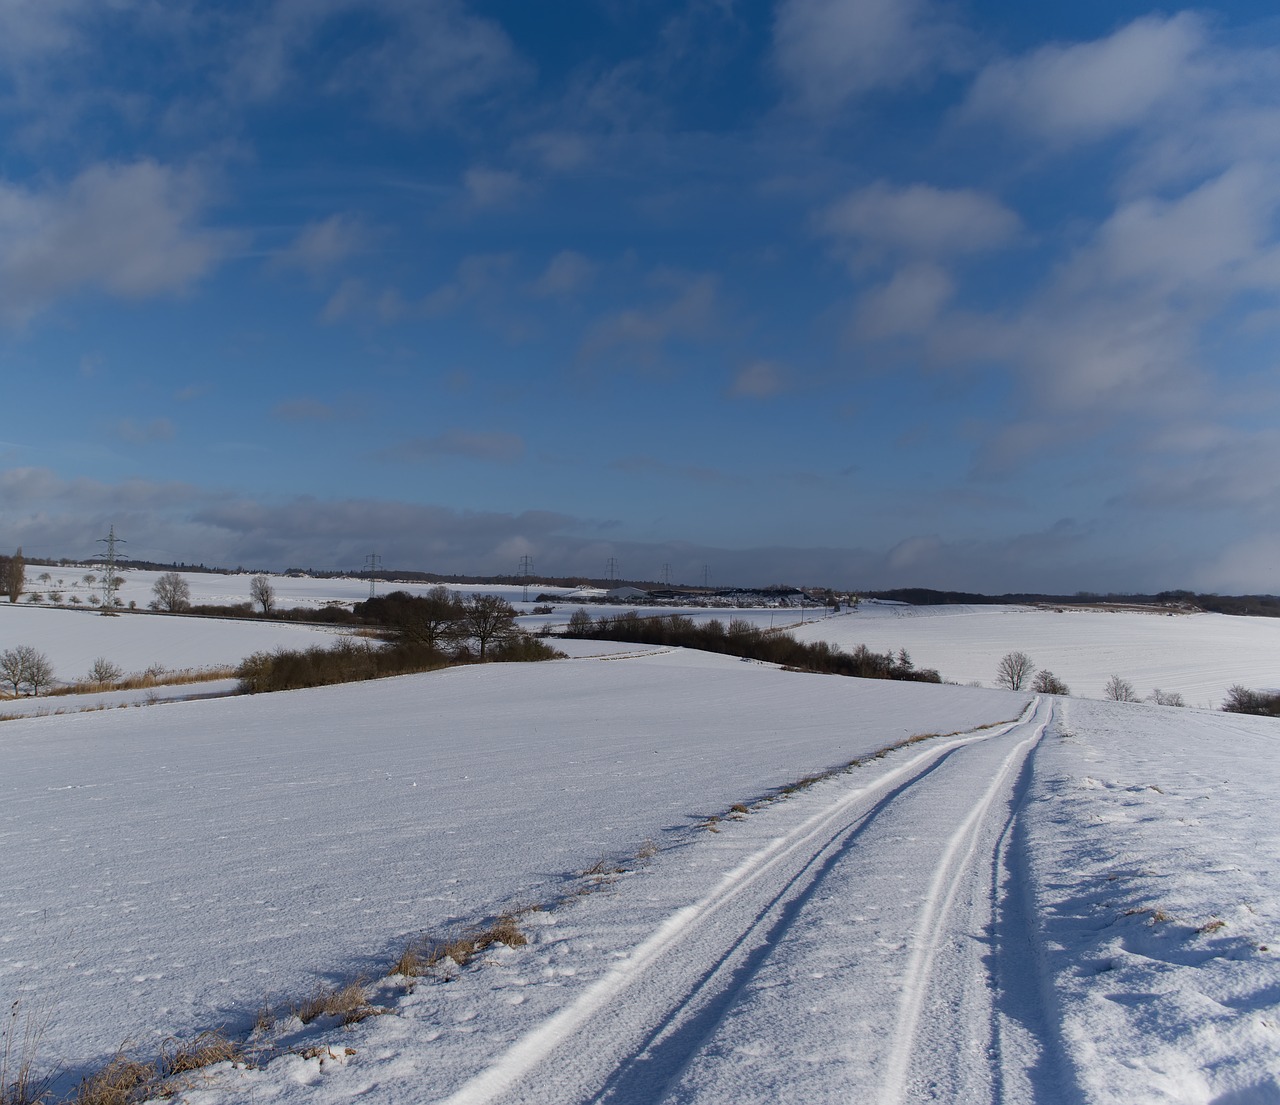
point(145, 433)
point(414, 61)
point(920, 219)
point(321, 245)
point(759, 380)
point(907, 304)
point(478, 276)
point(1243, 567)
point(132, 231)
point(1084, 91)
point(492, 187)
point(565, 273)
point(1216, 238)
point(305, 409)
point(690, 314)
point(830, 51)
point(490, 445)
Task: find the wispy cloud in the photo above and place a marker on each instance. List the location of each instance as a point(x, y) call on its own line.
point(132, 231)
point(145, 433)
point(828, 52)
point(304, 409)
point(492, 445)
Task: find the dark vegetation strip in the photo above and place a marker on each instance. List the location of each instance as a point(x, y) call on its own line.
point(414, 633)
point(741, 638)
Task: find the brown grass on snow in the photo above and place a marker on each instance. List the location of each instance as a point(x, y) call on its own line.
point(422, 956)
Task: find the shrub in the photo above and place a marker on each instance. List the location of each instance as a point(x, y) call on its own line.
point(1046, 682)
point(751, 643)
point(104, 672)
point(1119, 690)
point(1240, 700)
point(523, 647)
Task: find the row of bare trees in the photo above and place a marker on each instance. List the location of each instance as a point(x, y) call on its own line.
point(1016, 669)
point(25, 669)
point(441, 621)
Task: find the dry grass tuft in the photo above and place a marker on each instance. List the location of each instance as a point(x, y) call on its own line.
point(206, 1049)
point(349, 1003)
point(19, 1083)
point(123, 1081)
point(423, 957)
point(144, 680)
point(603, 867)
point(1211, 926)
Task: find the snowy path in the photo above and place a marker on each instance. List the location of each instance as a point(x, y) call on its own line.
point(896, 886)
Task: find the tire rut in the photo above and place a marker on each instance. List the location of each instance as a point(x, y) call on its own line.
point(628, 1037)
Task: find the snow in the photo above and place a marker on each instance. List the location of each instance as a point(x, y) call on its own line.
point(1054, 900)
point(1197, 655)
point(222, 588)
point(74, 639)
point(322, 828)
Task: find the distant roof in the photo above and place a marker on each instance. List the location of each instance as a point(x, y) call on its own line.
point(627, 593)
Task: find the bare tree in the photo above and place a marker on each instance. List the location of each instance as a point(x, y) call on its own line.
point(261, 592)
point(1046, 682)
point(173, 593)
point(1166, 698)
point(104, 672)
point(580, 621)
point(1014, 670)
point(488, 619)
point(435, 619)
point(14, 575)
point(1119, 690)
point(25, 666)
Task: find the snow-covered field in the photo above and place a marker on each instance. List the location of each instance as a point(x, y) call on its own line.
point(1078, 905)
point(209, 854)
point(136, 585)
point(1197, 655)
point(74, 639)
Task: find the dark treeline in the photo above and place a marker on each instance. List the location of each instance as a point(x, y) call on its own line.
point(419, 633)
point(741, 638)
point(1254, 605)
point(1240, 700)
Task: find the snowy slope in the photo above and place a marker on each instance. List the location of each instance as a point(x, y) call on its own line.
point(1198, 655)
point(73, 639)
point(167, 869)
point(1078, 908)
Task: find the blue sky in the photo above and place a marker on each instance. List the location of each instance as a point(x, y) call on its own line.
point(865, 293)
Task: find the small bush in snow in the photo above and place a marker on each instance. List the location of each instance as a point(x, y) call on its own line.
point(104, 672)
point(1046, 682)
point(1119, 690)
point(1241, 700)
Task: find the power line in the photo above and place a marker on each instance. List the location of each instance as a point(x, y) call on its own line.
point(111, 577)
point(526, 570)
point(372, 562)
point(611, 569)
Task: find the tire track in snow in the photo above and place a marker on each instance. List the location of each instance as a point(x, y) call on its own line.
point(954, 867)
point(672, 989)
